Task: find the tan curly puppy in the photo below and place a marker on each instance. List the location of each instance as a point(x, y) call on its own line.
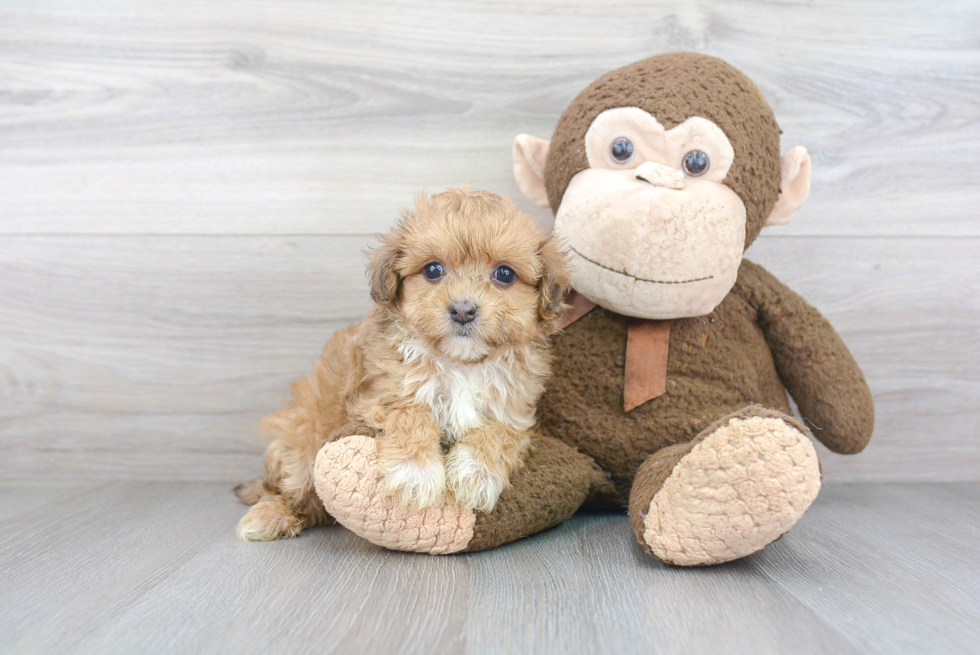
point(445, 371)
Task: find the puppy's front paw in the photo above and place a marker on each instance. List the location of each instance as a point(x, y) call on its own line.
point(412, 484)
point(475, 485)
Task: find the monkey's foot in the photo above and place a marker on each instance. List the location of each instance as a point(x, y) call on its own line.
point(352, 488)
point(738, 487)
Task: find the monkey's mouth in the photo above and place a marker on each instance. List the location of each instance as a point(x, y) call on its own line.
point(641, 279)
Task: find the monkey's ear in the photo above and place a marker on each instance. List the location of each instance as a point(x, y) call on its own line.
point(555, 283)
point(794, 185)
point(530, 155)
point(382, 272)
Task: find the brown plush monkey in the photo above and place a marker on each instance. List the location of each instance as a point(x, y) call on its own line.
point(669, 392)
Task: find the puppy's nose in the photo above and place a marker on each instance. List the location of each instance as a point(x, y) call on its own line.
point(462, 312)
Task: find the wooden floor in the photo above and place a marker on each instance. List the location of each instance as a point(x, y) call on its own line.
point(139, 567)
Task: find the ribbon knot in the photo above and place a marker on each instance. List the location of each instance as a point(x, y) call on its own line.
point(647, 345)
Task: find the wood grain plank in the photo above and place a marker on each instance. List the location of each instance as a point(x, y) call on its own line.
point(912, 546)
point(580, 588)
point(587, 587)
point(68, 570)
point(127, 357)
point(244, 118)
point(122, 357)
point(327, 591)
point(155, 567)
point(18, 498)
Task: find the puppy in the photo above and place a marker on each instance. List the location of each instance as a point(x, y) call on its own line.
point(444, 372)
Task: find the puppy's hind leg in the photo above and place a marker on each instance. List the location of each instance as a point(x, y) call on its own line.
point(285, 505)
point(271, 518)
point(285, 502)
point(250, 492)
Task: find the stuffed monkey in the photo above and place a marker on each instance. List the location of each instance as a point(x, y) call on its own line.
point(670, 377)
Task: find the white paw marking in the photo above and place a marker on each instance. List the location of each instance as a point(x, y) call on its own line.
point(414, 485)
point(474, 484)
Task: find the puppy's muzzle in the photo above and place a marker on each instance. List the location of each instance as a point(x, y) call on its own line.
point(462, 312)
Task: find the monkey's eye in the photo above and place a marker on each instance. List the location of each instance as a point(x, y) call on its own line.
point(504, 275)
point(433, 271)
point(696, 163)
point(622, 150)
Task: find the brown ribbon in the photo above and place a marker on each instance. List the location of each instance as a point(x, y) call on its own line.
point(647, 345)
point(646, 361)
point(578, 306)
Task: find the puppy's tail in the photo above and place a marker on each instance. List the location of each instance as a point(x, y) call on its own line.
point(250, 492)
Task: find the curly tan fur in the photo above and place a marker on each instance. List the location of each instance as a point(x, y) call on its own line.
point(433, 391)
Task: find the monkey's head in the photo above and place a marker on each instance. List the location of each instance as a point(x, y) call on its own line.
point(660, 175)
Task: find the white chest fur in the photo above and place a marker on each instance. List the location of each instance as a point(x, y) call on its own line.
point(464, 396)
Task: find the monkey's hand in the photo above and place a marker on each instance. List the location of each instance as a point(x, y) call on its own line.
point(814, 364)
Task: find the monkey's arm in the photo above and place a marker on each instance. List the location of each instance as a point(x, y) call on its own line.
point(813, 363)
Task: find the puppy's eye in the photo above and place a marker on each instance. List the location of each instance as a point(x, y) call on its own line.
point(622, 150)
point(504, 275)
point(696, 163)
point(433, 271)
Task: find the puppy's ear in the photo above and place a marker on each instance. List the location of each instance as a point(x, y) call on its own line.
point(382, 272)
point(555, 283)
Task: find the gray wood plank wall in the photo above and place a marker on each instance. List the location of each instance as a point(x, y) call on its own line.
point(186, 191)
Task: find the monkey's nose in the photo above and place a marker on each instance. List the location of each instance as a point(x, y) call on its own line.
point(660, 175)
point(462, 312)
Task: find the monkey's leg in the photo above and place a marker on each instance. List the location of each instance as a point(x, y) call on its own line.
point(737, 487)
point(554, 482)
